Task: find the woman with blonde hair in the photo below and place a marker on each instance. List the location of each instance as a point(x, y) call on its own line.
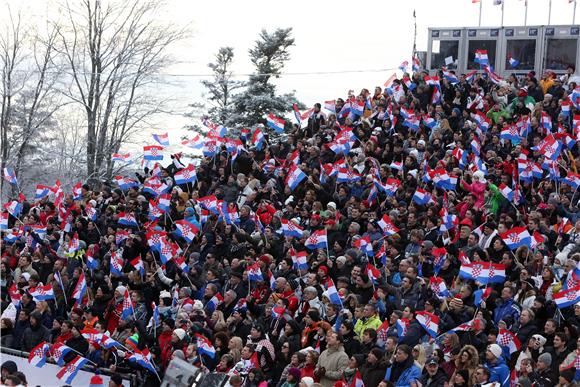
point(218, 322)
point(467, 360)
point(235, 346)
point(419, 356)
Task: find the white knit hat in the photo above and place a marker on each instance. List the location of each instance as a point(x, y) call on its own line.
point(495, 350)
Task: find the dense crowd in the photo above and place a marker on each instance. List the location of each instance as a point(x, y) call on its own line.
point(347, 250)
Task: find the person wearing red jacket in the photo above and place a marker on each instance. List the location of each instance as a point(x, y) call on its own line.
point(265, 212)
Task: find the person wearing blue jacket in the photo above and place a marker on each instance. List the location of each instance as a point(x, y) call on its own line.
point(507, 309)
point(403, 371)
point(495, 363)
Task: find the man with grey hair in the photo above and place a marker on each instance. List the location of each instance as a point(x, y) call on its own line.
point(310, 301)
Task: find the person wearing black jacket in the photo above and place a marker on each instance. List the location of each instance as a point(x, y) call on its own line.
point(35, 334)
point(433, 375)
point(77, 342)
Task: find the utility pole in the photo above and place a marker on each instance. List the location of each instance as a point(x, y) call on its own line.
point(414, 37)
point(480, 7)
point(526, 13)
point(550, 12)
point(502, 6)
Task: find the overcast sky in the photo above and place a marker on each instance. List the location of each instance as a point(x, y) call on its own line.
point(329, 36)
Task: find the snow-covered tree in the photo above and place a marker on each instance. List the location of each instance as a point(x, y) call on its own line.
point(269, 55)
point(220, 89)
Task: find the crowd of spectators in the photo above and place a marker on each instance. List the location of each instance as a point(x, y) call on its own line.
point(287, 328)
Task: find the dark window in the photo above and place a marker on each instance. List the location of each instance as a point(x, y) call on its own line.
point(474, 45)
point(561, 53)
point(523, 51)
point(446, 48)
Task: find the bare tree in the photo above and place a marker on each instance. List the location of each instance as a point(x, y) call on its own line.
point(113, 52)
point(29, 97)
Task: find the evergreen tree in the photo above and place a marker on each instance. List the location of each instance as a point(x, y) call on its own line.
point(221, 87)
point(269, 55)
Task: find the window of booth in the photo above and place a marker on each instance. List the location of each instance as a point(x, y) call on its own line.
point(474, 45)
point(442, 49)
point(524, 51)
point(561, 53)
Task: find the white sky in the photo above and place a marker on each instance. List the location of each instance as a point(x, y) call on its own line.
point(329, 36)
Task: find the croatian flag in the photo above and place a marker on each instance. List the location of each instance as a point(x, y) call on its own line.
point(386, 224)
point(42, 293)
point(550, 147)
point(481, 295)
point(162, 139)
point(180, 263)
point(127, 305)
point(204, 346)
point(510, 133)
point(402, 324)
point(127, 219)
point(186, 230)
point(439, 287)
point(92, 263)
point(4, 221)
point(481, 57)
point(416, 64)
point(137, 263)
point(451, 77)
point(154, 211)
point(429, 321)
point(345, 175)
point(428, 121)
point(567, 298)
point(58, 352)
point(37, 356)
point(358, 108)
point(164, 202)
point(299, 259)
point(14, 208)
point(258, 139)
point(80, 290)
point(565, 108)
point(404, 65)
point(507, 192)
point(330, 106)
point(143, 358)
point(195, 143)
point(10, 176)
point(154, 239)
point(318, 240)
point(440, 255)
point(124, 157)
point(116, 264)
point(422, 197)
point(125, 183)
point(277, 312)
point(275, 123)
point(469, 77)
point(410, 85)
point(255, 273)
point(108, 343)
point(213, 303)
point(465, 327)
point(513, 62)
point(289, 228)
point(294, 177)
point(209, 148)
point(546, 121)
point(186, 175)
point(508, 340)
point(484, 272)
point(333, 295)
point(516, 237)
point(70, 370)
point(391, 186)
point(364, 244)
point(152, 152)
point(373, 273)
point(209, 203)
point(42, 191)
